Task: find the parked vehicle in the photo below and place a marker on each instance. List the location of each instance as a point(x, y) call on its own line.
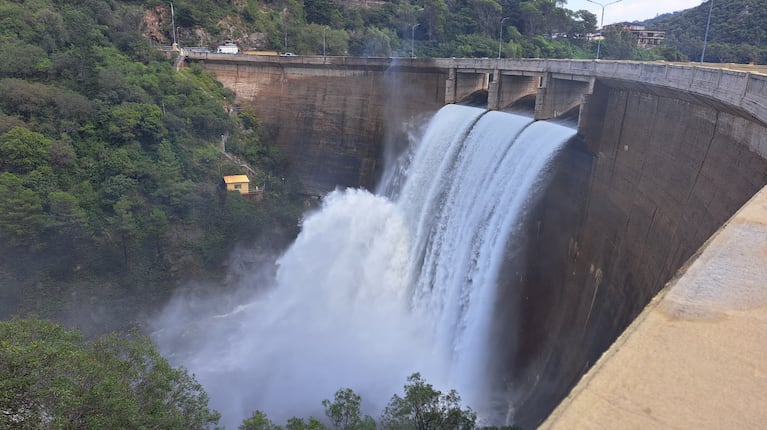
point(228, 48)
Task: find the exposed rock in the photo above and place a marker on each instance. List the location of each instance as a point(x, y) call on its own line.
point(154, 22)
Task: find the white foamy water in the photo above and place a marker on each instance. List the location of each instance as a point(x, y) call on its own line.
point(375, 287)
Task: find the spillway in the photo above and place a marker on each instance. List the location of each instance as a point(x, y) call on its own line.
point(379, 286)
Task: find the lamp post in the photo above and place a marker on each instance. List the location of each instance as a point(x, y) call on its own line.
point(285, 28)
point(323, 39)
point(173, 24)
point(500, 36)
point(708, 25)
point(412, 40)
point(602, 23)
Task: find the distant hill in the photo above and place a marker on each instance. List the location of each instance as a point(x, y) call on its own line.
point(738, 32)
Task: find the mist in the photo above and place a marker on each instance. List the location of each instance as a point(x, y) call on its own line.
point(335, 315)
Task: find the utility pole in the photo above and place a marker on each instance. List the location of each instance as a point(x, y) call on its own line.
point(500, 36)
point(602, 24)
point(412, 40)
point(708, 25)
point(323, 39)
point(285, 27)
point(173, 24)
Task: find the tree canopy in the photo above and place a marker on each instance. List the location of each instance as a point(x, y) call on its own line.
point(52, 378)
point(738, 31)
point(108, 160)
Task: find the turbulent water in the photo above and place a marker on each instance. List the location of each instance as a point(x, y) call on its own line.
point(378, 286)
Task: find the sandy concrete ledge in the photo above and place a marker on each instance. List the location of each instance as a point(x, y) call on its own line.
point(697, 355)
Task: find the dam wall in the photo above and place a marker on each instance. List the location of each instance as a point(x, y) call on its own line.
point(665, 155)
point(654, 175)
point(333, 122)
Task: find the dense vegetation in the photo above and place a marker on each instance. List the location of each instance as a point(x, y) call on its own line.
point(437, 28)
point(422, 407)
point(468, 28)
point(109, 172)
point(51, 378)
point(738, 32)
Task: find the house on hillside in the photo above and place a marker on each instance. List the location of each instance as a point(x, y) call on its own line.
point(241, 184)
point(646, 39)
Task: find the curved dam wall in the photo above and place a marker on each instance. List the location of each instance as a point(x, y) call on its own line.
point(664, 156)
point(656, 174)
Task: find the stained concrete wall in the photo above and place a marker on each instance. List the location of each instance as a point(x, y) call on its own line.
point(333, 122)
point(508, 88)
point(560, 94)
point(657, 173)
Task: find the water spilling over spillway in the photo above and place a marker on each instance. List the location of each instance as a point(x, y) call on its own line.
point(377, 287)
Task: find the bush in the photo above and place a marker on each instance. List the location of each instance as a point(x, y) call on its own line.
point(50, 377)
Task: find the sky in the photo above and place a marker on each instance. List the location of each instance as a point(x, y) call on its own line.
point(632, 10)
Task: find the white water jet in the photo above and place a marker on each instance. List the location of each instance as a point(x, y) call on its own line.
point(375, 288)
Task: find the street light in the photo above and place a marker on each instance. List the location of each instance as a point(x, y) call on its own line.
point(412, 40)
point(285, 27)
point(323, 39)
point(173, 24)
point(500, 36)
point(602, 24)
point(708, 25)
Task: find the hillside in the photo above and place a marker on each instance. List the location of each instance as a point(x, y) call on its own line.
point(738, 32)
point(437, 28)
point(109, 169)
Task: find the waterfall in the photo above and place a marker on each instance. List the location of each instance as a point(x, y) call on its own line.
point(379, 286)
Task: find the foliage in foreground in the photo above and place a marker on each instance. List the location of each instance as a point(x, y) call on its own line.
point(421, 408)
point(52, 378)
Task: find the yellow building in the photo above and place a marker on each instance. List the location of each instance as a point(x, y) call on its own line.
point(239, 183)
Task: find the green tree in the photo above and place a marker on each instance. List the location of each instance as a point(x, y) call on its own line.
point(299, 424)
point(435, 13)
point(136, 121)
point(344, 412)
point(258, 421)
point(619, 44)
point(424, 408)
point(21, 212)
point(22, 150)
point(50, 377)
point(67, 217)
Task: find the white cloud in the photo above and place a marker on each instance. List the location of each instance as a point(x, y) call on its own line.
point(632, 10)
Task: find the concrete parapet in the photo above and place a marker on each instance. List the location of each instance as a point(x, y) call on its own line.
point(743, 90)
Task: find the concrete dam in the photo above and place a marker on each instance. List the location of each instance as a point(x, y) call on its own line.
point(664, 156)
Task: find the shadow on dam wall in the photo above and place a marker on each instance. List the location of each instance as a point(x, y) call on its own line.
point(649, 179)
